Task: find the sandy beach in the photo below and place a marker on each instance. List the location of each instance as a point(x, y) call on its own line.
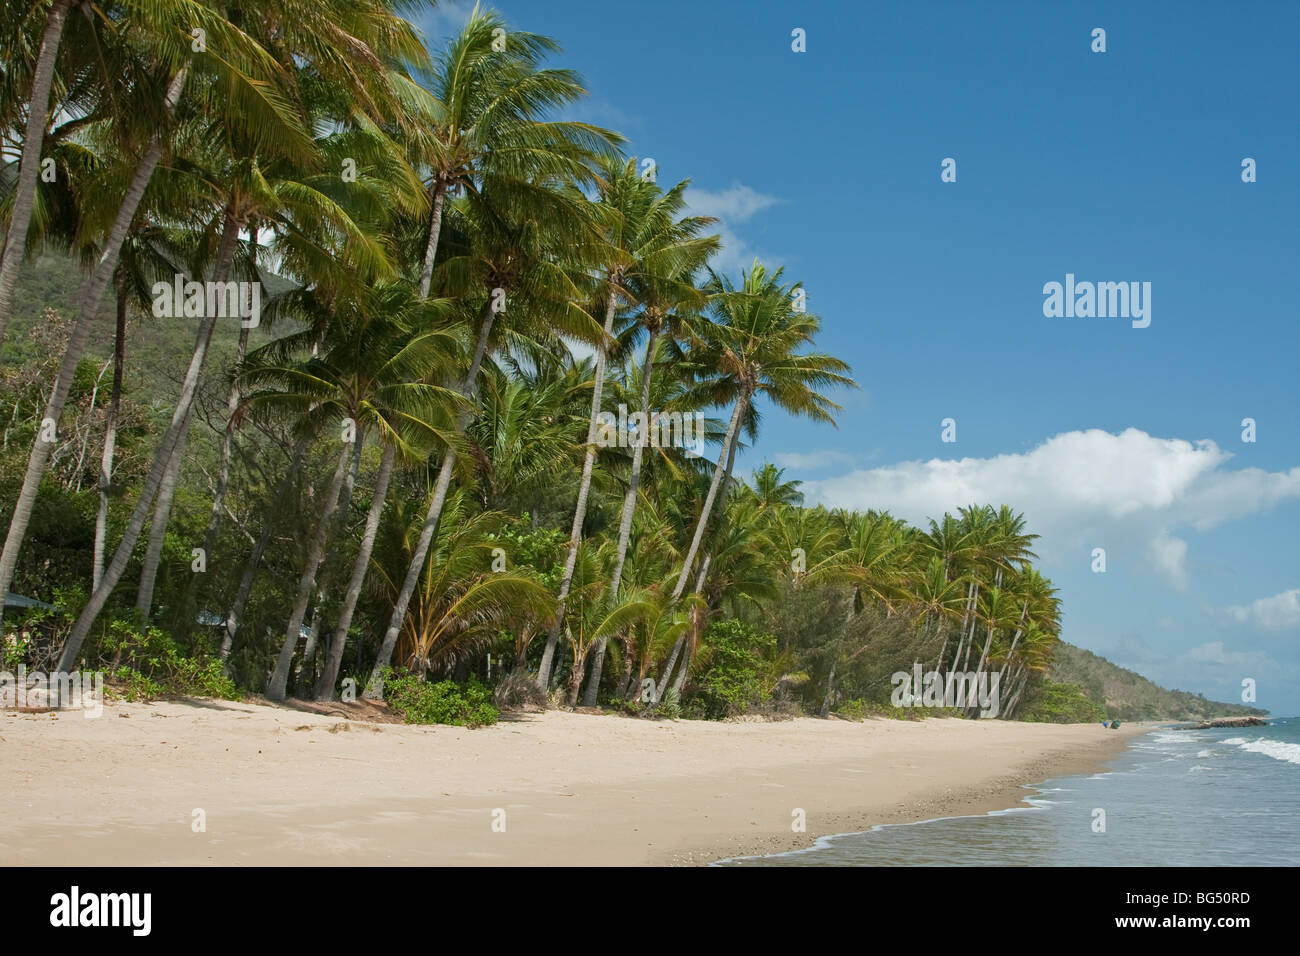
point(279, 786)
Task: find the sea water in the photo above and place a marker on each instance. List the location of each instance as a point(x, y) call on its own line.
point(1225, 797)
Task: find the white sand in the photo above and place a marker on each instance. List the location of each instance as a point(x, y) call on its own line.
point(278, 786)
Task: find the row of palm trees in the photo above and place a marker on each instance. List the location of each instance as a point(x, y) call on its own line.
point(442, 243)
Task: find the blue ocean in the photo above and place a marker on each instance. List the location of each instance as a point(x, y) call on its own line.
point(1224, 797)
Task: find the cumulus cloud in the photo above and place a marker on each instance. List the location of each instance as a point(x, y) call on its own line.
point(732, 207)
point(1127, 492)
point(1281, 612)
point(738, 204)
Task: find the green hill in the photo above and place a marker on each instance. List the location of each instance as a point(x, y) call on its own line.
point(1126, 695)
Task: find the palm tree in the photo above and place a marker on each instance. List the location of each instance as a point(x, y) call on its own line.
point(38, 111)
point(368, 378)
point(645, 250)
point(513, 228)
point(249, 79)
point(751, 349)
point(268, 119)
point(484, 113)
point(460, 602)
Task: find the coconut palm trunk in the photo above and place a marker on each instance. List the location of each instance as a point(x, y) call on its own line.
point(1015, 640)
point(723, 459)
point(277, 688)
point(469, 389)
point(38, 113)
point(110, 434)
point(624, 524)
point(232, 405)
point(158, 525)
point(88, 296)
point(307, 669)
point(680, 680)
point(162, 458)
point(580, 510)
point(435, 231)
point(329, 676)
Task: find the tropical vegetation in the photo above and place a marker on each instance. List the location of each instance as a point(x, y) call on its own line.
point(393, 477)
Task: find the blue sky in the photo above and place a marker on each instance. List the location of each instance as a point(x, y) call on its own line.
point(1115, 166)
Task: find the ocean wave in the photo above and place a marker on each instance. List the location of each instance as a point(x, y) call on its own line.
point(1276, 749)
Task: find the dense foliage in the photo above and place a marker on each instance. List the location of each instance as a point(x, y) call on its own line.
point(481, 423)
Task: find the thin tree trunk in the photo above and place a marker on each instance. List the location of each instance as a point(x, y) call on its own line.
point(830, 693)
point(974, 621)
point(1024, 611)
point(232, 405)
point(85, 439)
point(375, 686)
point(431, 247)
point(624, 523)
point(263, 539)
point(580, 510)
point(720, 472)
point(171, 477)
point(158, 525)
point(88, 297)
point(110, 434)
point(723, 460)
point(306, 670)
point(38, 113)
point(328, 678)
point(680, 681)
point(167, 447)
point(277, 688)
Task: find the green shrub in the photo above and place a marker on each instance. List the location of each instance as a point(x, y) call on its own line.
point(737, 673)
point(669, 706)
point(154, 667)
point(1057, 703)
point(446, 702)
point(854, 709)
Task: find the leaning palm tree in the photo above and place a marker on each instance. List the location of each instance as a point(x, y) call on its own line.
point(253, 99)
point(484, 110)
point(512, 232)
point(369, 378)
point(38, 111)
point(752, 350)
point(646, 250)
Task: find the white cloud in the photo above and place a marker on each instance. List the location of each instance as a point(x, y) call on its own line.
point(1126, 492)
point(1281, 612)
point(740, 203)
point(1170, 557)
point(733, 206)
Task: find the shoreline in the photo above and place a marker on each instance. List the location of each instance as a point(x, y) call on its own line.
point(279, 786)
point(1008, 793)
